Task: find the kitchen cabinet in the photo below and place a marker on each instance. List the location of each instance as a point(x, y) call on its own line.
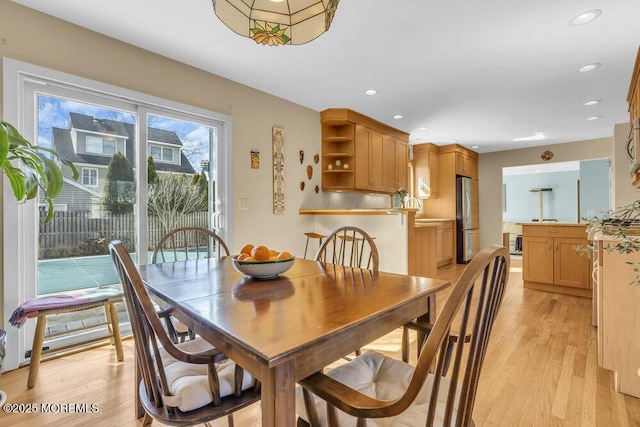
point(452, 159)
point(369, 172)
point(361, 154)
point(466, 165)
point(444, 243)
point(396, 158)
point(425, 171)
point(633, 145)
point(617, 302)
point(550, 261)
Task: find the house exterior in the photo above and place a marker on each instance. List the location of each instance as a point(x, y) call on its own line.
point(90, 142)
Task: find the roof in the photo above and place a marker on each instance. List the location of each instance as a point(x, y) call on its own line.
point(62, 143)
point(94, 124)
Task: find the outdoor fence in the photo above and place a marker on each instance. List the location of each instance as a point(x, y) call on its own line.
point(80, 234)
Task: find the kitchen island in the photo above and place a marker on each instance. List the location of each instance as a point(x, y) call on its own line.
point(405, 246)
point(550, 261)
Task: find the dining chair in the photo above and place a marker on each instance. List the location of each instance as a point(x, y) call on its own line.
point(189, 243)
point(182, 244)
point(376, 390)
point(182, 384)
point(349, 246)
point(352, 247)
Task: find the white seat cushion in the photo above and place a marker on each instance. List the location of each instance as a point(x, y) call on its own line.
point(383, 378)
point(189, 383)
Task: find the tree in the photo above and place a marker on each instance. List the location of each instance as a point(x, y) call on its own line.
point(119, 187)
point(200, 181)
point(152, 175)
point(172, 197)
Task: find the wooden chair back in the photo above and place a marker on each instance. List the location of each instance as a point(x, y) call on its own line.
point(349, 246)
point(189, 243)
point(471, 308)
point(149, 336)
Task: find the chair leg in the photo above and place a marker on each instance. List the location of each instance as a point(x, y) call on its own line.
point(305, 248)
point(115, 325)
point(36, 351)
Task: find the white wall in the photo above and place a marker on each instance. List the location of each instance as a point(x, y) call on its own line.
point(560, 203)
point(490, 176)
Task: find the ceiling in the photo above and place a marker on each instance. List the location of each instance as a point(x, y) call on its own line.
point(481, 73)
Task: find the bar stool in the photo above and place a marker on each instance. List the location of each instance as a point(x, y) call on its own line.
point(312, 235)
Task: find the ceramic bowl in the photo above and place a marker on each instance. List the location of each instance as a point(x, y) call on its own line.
point(263, 269)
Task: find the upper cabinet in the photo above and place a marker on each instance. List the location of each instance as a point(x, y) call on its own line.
point(467, 164)
point(633, 144)
point(396, 173)
point(369, 158)
point(425, 171)
point(361, 154)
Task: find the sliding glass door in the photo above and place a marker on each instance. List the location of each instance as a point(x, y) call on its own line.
point(121, 143)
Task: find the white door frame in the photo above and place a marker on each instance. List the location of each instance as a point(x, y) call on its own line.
point(18, 220)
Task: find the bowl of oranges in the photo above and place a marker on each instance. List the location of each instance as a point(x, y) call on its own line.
point(260, 262)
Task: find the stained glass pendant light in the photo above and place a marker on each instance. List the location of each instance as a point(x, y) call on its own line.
point(276, 22)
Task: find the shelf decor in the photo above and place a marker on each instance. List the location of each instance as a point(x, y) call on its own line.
point(276, 23)
point(277, 135)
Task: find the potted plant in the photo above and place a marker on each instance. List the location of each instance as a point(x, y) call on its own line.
point(622, 228)
point(30, 168)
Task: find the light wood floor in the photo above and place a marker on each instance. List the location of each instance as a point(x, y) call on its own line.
point(541, 370)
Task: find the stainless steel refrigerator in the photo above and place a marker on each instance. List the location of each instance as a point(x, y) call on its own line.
point(467, 225)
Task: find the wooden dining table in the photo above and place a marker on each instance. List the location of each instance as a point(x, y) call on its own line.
point(284, 329)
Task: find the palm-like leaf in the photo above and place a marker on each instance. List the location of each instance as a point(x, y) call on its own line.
point(31, 167)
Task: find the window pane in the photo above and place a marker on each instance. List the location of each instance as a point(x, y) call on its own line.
point(109, 146)
point(187, 151)
point(155, 152)
point(99, 206)
point(94, 144)
point(167, 154)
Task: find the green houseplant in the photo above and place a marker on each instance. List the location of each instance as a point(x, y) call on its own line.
point(621, 226)
point(30, 168)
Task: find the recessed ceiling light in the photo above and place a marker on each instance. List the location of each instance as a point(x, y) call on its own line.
point(589, 67)
point(475, 146)
point(535, 137)
point(453, 141)
point(593, 102)
point(423, 128)
point(585, 17)
point(370, 92)
point(397, 117)
point(593, 118)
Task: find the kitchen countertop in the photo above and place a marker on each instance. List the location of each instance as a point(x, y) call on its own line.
point(554, 224)
point(373, 211)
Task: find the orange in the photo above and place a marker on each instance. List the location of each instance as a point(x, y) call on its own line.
point(273, 253)
point(260, 253)
point(242, 256)
point(284, 255)
point(246, 249)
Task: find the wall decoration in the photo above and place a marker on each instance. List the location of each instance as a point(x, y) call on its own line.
point(309, 171)
point(316, 159)
point(301, 156)
point(301, 185)
point(317, 189)
point(277, 135)
point(255, 159)
point(546, 156)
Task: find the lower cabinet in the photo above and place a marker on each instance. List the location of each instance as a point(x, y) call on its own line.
point(444, 243)
point(617, 302)
point(551, 262)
